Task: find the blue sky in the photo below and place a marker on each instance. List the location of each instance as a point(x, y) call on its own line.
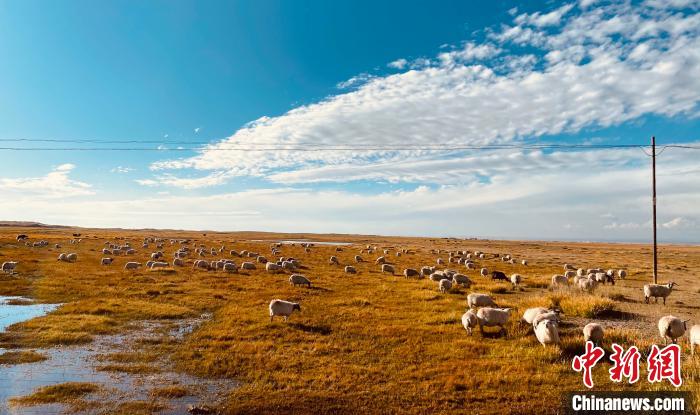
point(318, 74)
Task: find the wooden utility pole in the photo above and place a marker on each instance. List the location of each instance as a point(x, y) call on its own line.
point(653, 200)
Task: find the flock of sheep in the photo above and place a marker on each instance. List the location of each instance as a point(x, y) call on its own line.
point(482, 309)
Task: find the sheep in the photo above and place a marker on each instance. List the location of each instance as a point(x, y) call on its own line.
point(547, 332)
point(440, 261)
point(179, 262)
point(445, 286)
point(493, 317)
point(106, 251)
point(593, 332)
point(350, 270)
point(480, 300)
point(524, 262)
point(272, 268)
point(426, 271)
point(62, 257)
point(559, 281)
point(484, 272)
point(132, 265)
point(552, 315)
point(149, 263)
point(568, 267)
point(515, 279)
point(600, 277)
point(298, 279)
point(462, 280)
point(333, 260)
point(248, 266)
point(469, 321)
point(159, 264)
point(470, 265)
point(72, 257)
point(289, 265)
point(530, 314)
point(498, 275)
point(387, 268)
point(261, 259)
point(570, 274)
point(283, 308)
point(230, 267)
point(694, 338)
point(358, 259)
point(200, 263)
point(438, 276)
point(621, 274)
point(671, 327)
point(156, 256)
point(8, 267)
point(106, 261)
point(587, 284)
point(657, 290)
point(410, 272)
point(380, 260)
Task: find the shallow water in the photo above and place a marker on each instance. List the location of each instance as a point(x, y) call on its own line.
point(79, 364)
point(11, 314)
point(304, 241)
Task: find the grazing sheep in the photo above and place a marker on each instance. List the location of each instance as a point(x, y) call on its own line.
point(159, 264)
point(547, 332)
point(179, 262)
point(106, 261)
point(426, 271)
point(445, 286)
point(671, 327)
point(470, 265)
point(289, 265)
point(568, 267)
point(62, 257)
point(132, 265)
point(106, 251)
point(600, 277)
point(388, 268)
point(593, 332)
point(480, 300)
point(8, 267)
point(530, 314)
point(230, 267)
point(469, 321)
point(358, 259)
point(261, 259)
point(547, 315)
point(298, 279)
point(350, 270)
point(587, 284)
point(438, 276)
point(484, 272)
point(622, 274)
point(248, 266)
point(493, 317)
point(410, 272)
point(283, 308)
point(658, 291)
point(559, 281)
point(498, 275)
point(149, 263)
point(462, 280)
point(440, 261)
point(272, 268)
point(72, 257)
point(515, 279)
point(524, 262)
point(380, 260)
point(694, 338)
point(334, 260)
point(200, 263)
point(570, 274)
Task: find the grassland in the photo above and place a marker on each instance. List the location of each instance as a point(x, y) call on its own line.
point(370, 341)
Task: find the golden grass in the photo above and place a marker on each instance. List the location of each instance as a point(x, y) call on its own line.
point(372, 341)
point(20, 357)
point(170, 392)
point(62, 393)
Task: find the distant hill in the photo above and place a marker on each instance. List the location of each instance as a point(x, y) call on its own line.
point(21, 224)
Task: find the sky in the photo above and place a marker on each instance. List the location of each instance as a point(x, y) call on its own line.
point(398, 118)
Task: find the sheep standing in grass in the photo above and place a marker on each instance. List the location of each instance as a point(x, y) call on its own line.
point(380, 260)
point(358, 259)
point(333, 260)
point(498, 275)
point(179, 262)
point(230, 267)
point(470, 265)
point(462, 280)
point(445, 286)
point(622, 274)
point(547, 332)
point(559, 281)
point(387, 268)
point(515, 279)
point(547, 315)
point(298, 279)
point(671, 327)
point(410, 272)
point(469, 321)
point(484, 272)
point(694, 338)
point(106, 261)
point(593, 332)
point(272, 268)
point(438, 276)
point(530, 314)
point(283, 308)
point(658, 291)
point(132, 265)
point(480, 300)
point(587, 284)
point(426, 271)
point(493, 317)
point(159, 264)
point(524, 262)
point(350, 270)
point(248, 266)
point(8, 267)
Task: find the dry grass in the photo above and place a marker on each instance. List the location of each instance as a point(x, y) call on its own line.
point(385, 344)
point(20, 357)
point(62, 393)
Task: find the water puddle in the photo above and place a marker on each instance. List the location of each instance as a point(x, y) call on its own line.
point(79, 364)
point(18, 309)
point(304, 241)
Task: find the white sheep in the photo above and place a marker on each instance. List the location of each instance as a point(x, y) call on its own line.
point(524, 262)
point(159, 264)
point(484, 272)
point(515, 279)
point(593, 332)
point(179, 262)
point(387, 268)
point(272, 268)
point(547, 315)
point(358, 259)
point(470, 265)
point(462, 280)
point(380, 260)
point(622, 274)
point(230, 267)
point(493, 317)
point(438, 276)
point(440, 261)
point(106, 261)
point(445, 286)
point(350, 270)
point(530, 314)
point(480, 300)
point(283, 308)
point(410, 272)
point(298, 279)
point(8, 267)
point(694, 337)
point(547, 332)
point(426, 271)
point(587, 284)
point(559, 281)
point(334, 260)
point(671, 327)
point(132, 265)
point(658, 291)
point(469, 321)
point(248, 266)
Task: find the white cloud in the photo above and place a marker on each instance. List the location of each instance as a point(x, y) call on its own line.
point(398, 64)
point(678, 223)
point(55, 184)
point(122, 169)
point(547, 19)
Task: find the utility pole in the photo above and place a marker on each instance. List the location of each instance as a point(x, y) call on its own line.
point(653, 200)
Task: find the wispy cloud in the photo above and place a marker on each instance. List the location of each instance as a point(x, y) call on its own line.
point(55, 184)
point(122, 169)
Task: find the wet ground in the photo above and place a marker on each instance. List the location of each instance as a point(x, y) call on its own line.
point(17, 309)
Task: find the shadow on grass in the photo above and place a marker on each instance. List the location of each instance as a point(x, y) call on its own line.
point(322, 330)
